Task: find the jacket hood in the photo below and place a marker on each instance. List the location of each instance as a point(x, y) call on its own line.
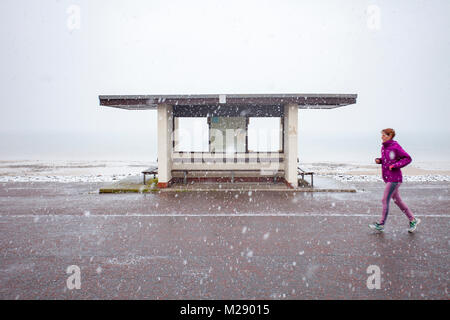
point(389, 142)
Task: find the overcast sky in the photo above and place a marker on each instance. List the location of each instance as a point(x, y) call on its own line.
point(58, 56)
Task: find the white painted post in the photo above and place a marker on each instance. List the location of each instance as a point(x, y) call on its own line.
point(290, 143)
point(176, 133)
point(165, 133)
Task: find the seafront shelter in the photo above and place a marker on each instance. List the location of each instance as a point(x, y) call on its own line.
point(228, 151)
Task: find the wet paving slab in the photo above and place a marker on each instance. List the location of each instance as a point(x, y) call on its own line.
point(220, 245)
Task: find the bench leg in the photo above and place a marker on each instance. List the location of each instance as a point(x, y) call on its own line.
point(185, 177)
point(312, 182)
point(144, 178)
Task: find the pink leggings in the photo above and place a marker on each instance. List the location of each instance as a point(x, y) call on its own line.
point(391, 190)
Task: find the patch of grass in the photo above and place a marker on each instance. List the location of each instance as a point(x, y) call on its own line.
point(150, 186)
point(303, 183)
point(152, 183)
point(127, 190)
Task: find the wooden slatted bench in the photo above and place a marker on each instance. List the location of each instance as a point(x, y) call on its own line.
point(304, 173)
point(152, 170)
point(232, 171)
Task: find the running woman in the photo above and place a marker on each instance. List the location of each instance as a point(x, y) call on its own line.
point(393, 157)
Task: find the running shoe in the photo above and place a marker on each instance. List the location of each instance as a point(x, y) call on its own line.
point(413, 225)
point(377, 226)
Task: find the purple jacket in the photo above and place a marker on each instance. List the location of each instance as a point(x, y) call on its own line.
point(393, 154)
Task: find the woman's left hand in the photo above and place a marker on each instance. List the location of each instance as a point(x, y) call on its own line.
point(390, 167)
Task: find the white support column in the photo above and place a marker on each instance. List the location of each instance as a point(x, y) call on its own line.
point(165, 144)
point(281, 134)
point(176, 133)
point(290, 144)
